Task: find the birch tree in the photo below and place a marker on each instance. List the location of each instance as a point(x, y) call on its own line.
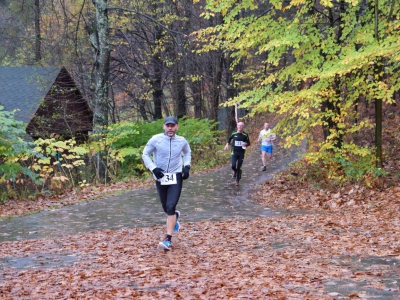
point(101, 42)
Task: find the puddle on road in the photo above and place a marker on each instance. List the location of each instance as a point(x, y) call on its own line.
point(374, 278)
point(38, 261)
point(362, 278)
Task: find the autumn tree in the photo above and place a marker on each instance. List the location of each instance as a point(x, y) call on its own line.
point(330, 55)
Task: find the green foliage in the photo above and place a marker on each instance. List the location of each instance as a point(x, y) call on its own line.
point(346, 164)
point(199, 133)
point(118, 140)
point(14, 150)
point(11, 135)
point(203, 141)
point(336, 170)
point(147, 130)
point(118, 149)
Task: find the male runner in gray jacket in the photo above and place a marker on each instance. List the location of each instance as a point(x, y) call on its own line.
point(170, 153)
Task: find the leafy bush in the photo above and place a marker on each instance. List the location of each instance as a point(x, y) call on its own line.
point(351, 163)
point(121, 147)
point(203, 141)
point(14, 150)
point(58, 161)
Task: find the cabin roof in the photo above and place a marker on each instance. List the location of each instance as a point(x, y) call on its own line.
point(24, 88)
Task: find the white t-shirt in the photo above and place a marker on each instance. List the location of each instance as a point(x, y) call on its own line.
point(266, 137)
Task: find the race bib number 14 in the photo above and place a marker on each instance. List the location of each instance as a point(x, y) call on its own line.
point(168, 179)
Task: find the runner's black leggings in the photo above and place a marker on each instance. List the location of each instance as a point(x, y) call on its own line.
point(237, 161)
point(169, 194)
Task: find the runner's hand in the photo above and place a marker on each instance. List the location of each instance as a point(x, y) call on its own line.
point(158, 173)
point(185, 172)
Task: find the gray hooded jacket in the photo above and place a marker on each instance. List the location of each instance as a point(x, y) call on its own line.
point(167, 153)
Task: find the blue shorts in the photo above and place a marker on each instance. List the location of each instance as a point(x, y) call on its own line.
point(267, 149)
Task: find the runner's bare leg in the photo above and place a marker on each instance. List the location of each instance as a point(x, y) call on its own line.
point(171, 220)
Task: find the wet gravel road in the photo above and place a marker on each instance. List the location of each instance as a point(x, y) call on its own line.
point(208, 196)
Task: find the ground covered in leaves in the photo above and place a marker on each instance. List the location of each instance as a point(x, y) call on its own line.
point(320, 242)
point(290, 256)
point(285, 257)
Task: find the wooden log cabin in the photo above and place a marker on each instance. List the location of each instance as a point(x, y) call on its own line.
point(47, 100)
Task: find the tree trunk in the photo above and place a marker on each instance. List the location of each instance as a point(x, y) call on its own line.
point(331, 106)
point(378, 102)
point(38, 38)
point(378, 132)
point(232, 92)
point(197, 99)
point(158, 93)
point(103, 65)
point(100, 39)
point(180, 94)
point(216, 87)
point(378, 121)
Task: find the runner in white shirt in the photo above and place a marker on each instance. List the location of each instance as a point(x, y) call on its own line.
point(168, 156)
point(267, 137)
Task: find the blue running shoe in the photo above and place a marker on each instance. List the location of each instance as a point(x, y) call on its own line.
point(177, 226)
point(166, 245)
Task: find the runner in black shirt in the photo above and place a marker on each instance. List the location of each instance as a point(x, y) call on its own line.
point(240, 140)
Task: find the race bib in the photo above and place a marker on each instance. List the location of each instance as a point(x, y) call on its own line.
point(238, 143)
point(168, 179)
